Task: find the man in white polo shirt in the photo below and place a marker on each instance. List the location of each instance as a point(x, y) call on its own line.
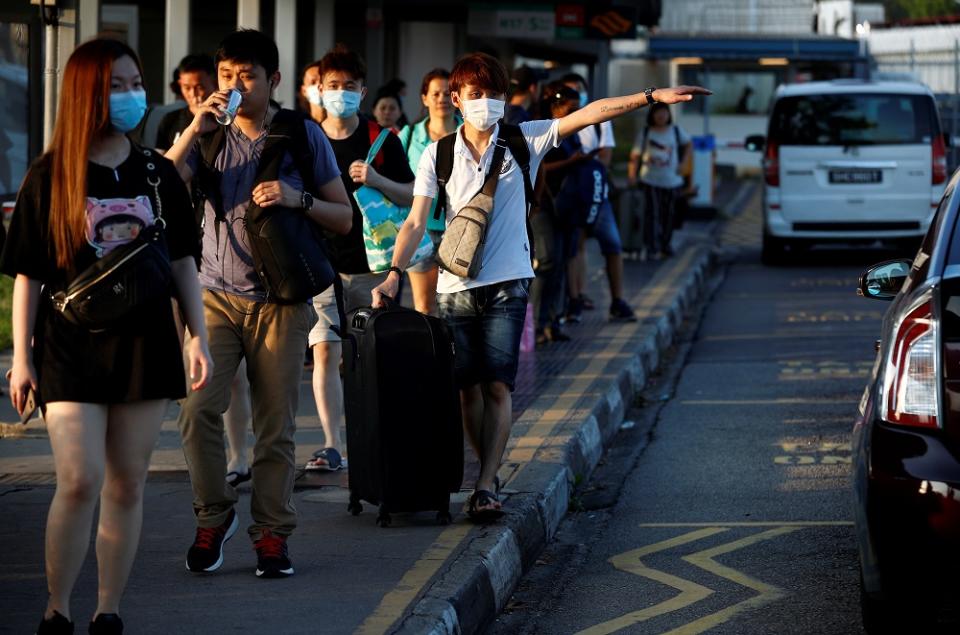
point(486, 313)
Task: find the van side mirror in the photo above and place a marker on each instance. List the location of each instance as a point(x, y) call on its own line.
point(755, 143)
point(883, 281)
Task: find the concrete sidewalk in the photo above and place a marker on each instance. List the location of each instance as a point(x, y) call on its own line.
point(352, 576)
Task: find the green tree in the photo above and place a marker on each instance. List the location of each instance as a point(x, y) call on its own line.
point(907, 9)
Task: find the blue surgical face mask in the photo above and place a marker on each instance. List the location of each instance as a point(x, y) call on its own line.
point(127, 109)
point(584, 99)
point(341, 103)
point(314, 96)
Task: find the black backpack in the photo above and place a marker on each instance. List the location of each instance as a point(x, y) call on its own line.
point(518, 147)
point(286, 245)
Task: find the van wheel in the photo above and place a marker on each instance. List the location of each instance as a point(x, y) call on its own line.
point(773, 251)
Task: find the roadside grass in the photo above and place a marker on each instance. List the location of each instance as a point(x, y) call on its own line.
point(6, 304)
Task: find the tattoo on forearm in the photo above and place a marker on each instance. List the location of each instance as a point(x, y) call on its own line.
point(609, 108)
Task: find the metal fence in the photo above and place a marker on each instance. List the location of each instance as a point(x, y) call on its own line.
point(940, 70)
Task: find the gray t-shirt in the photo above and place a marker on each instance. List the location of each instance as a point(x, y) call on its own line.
point(227, 265)
point(659, 156)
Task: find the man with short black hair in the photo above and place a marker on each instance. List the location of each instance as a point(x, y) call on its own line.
point(242, 320)
point(196, 79)
point(523, 96)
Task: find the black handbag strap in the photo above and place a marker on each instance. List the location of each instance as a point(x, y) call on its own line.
point(496, 164)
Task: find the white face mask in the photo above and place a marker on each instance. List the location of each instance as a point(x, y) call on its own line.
point(314, 96)
point(482, 114)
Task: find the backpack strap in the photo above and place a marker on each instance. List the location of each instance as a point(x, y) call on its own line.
point(206, 181)
point(293, 126)
point(680, 152)
point(517, 144)
point(444, 168)
point(373, 131)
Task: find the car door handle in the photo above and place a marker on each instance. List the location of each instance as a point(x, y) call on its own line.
point(876, 346)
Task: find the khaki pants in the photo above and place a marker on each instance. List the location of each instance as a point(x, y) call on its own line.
point(272, 338)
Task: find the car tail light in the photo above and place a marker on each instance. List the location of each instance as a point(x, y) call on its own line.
point(771, 163)
point(939, 155)
point(911, 384)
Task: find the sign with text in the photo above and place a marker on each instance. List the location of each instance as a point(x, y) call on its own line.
point(535, 22)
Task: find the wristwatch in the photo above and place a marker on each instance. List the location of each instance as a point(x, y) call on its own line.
point(397, 270)
point(306, 200)
point(648, 93)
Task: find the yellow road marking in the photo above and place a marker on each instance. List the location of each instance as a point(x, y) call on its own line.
point(690, 592)
point(704, 560)
point(395, 602)
point(758, 523)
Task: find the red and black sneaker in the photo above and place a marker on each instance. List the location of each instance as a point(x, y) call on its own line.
point(272, 558)
point(206, 553)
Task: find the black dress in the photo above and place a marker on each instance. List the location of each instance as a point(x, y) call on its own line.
point(140, 359)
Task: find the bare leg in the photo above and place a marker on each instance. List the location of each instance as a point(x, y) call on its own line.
point(328, 391)
point(423, 286)
point(131, 434)
point(497, 422)
point(77, 435)
point(472, 405)
point(615, 275)
point(236, 419)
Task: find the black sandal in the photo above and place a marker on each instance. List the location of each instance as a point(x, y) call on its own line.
point(483, 498)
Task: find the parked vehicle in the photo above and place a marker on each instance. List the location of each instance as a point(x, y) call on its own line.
point(850, 161)
point(906, 440)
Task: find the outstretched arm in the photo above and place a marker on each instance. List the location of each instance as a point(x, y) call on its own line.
point(612, 107)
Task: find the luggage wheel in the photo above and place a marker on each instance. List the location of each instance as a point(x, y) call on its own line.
point(354, 507)
point(383, 518)
point(444, 517)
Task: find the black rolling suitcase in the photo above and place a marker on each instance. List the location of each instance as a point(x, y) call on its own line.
point(404, 431)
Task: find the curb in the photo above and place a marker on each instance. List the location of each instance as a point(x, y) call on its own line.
point(469, 593)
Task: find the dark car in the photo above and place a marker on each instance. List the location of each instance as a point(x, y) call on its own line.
point(906, 441)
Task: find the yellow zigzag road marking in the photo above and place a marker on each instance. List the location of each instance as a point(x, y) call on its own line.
point(691, 592)
point(704, 560)
point(523, 449)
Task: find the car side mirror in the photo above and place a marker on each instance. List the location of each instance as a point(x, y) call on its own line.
point(755, 143)
point(947, 140)
point(883, 281)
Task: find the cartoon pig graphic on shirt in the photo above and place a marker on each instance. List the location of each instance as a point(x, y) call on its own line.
point(113, 222)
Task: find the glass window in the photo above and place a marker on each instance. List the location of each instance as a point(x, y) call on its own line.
point(854, 119)
point(735, 92)
point(14, 112)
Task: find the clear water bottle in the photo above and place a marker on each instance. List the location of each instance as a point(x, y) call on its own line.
point(228, 114)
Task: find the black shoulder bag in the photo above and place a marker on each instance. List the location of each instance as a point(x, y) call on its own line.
point(112, 289)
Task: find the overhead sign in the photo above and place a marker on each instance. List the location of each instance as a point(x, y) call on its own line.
point(535, 22)
point(611, 23)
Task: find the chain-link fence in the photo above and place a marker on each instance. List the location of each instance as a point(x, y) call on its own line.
point(940, 70)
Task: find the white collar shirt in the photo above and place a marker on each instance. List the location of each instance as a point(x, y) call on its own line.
point(506, 254)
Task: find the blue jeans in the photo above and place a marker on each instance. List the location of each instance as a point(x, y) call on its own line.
point(486, 324)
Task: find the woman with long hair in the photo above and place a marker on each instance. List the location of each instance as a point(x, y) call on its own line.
point(105, 392)
point(441, 120)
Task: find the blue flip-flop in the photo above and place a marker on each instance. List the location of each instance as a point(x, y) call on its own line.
point(332, 461)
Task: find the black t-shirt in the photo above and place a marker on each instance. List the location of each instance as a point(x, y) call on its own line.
point(347, 252)
point(139, 359)
point(28, 247)
point(171, 124)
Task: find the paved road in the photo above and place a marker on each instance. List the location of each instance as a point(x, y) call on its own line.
point(726, 506)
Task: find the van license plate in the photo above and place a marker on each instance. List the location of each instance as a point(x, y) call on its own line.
point(856, 176)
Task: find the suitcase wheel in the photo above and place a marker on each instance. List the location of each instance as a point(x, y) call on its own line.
point(354, 507)
point(444, 517)
point(383, 518)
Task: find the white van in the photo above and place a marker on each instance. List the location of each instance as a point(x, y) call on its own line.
point(850, 161)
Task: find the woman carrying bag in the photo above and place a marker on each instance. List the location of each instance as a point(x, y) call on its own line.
point(441, 120)
point(656, 159)
point(105, 386)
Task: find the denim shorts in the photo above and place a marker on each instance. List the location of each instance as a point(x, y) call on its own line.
point(604, 230)
point(486, 324)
